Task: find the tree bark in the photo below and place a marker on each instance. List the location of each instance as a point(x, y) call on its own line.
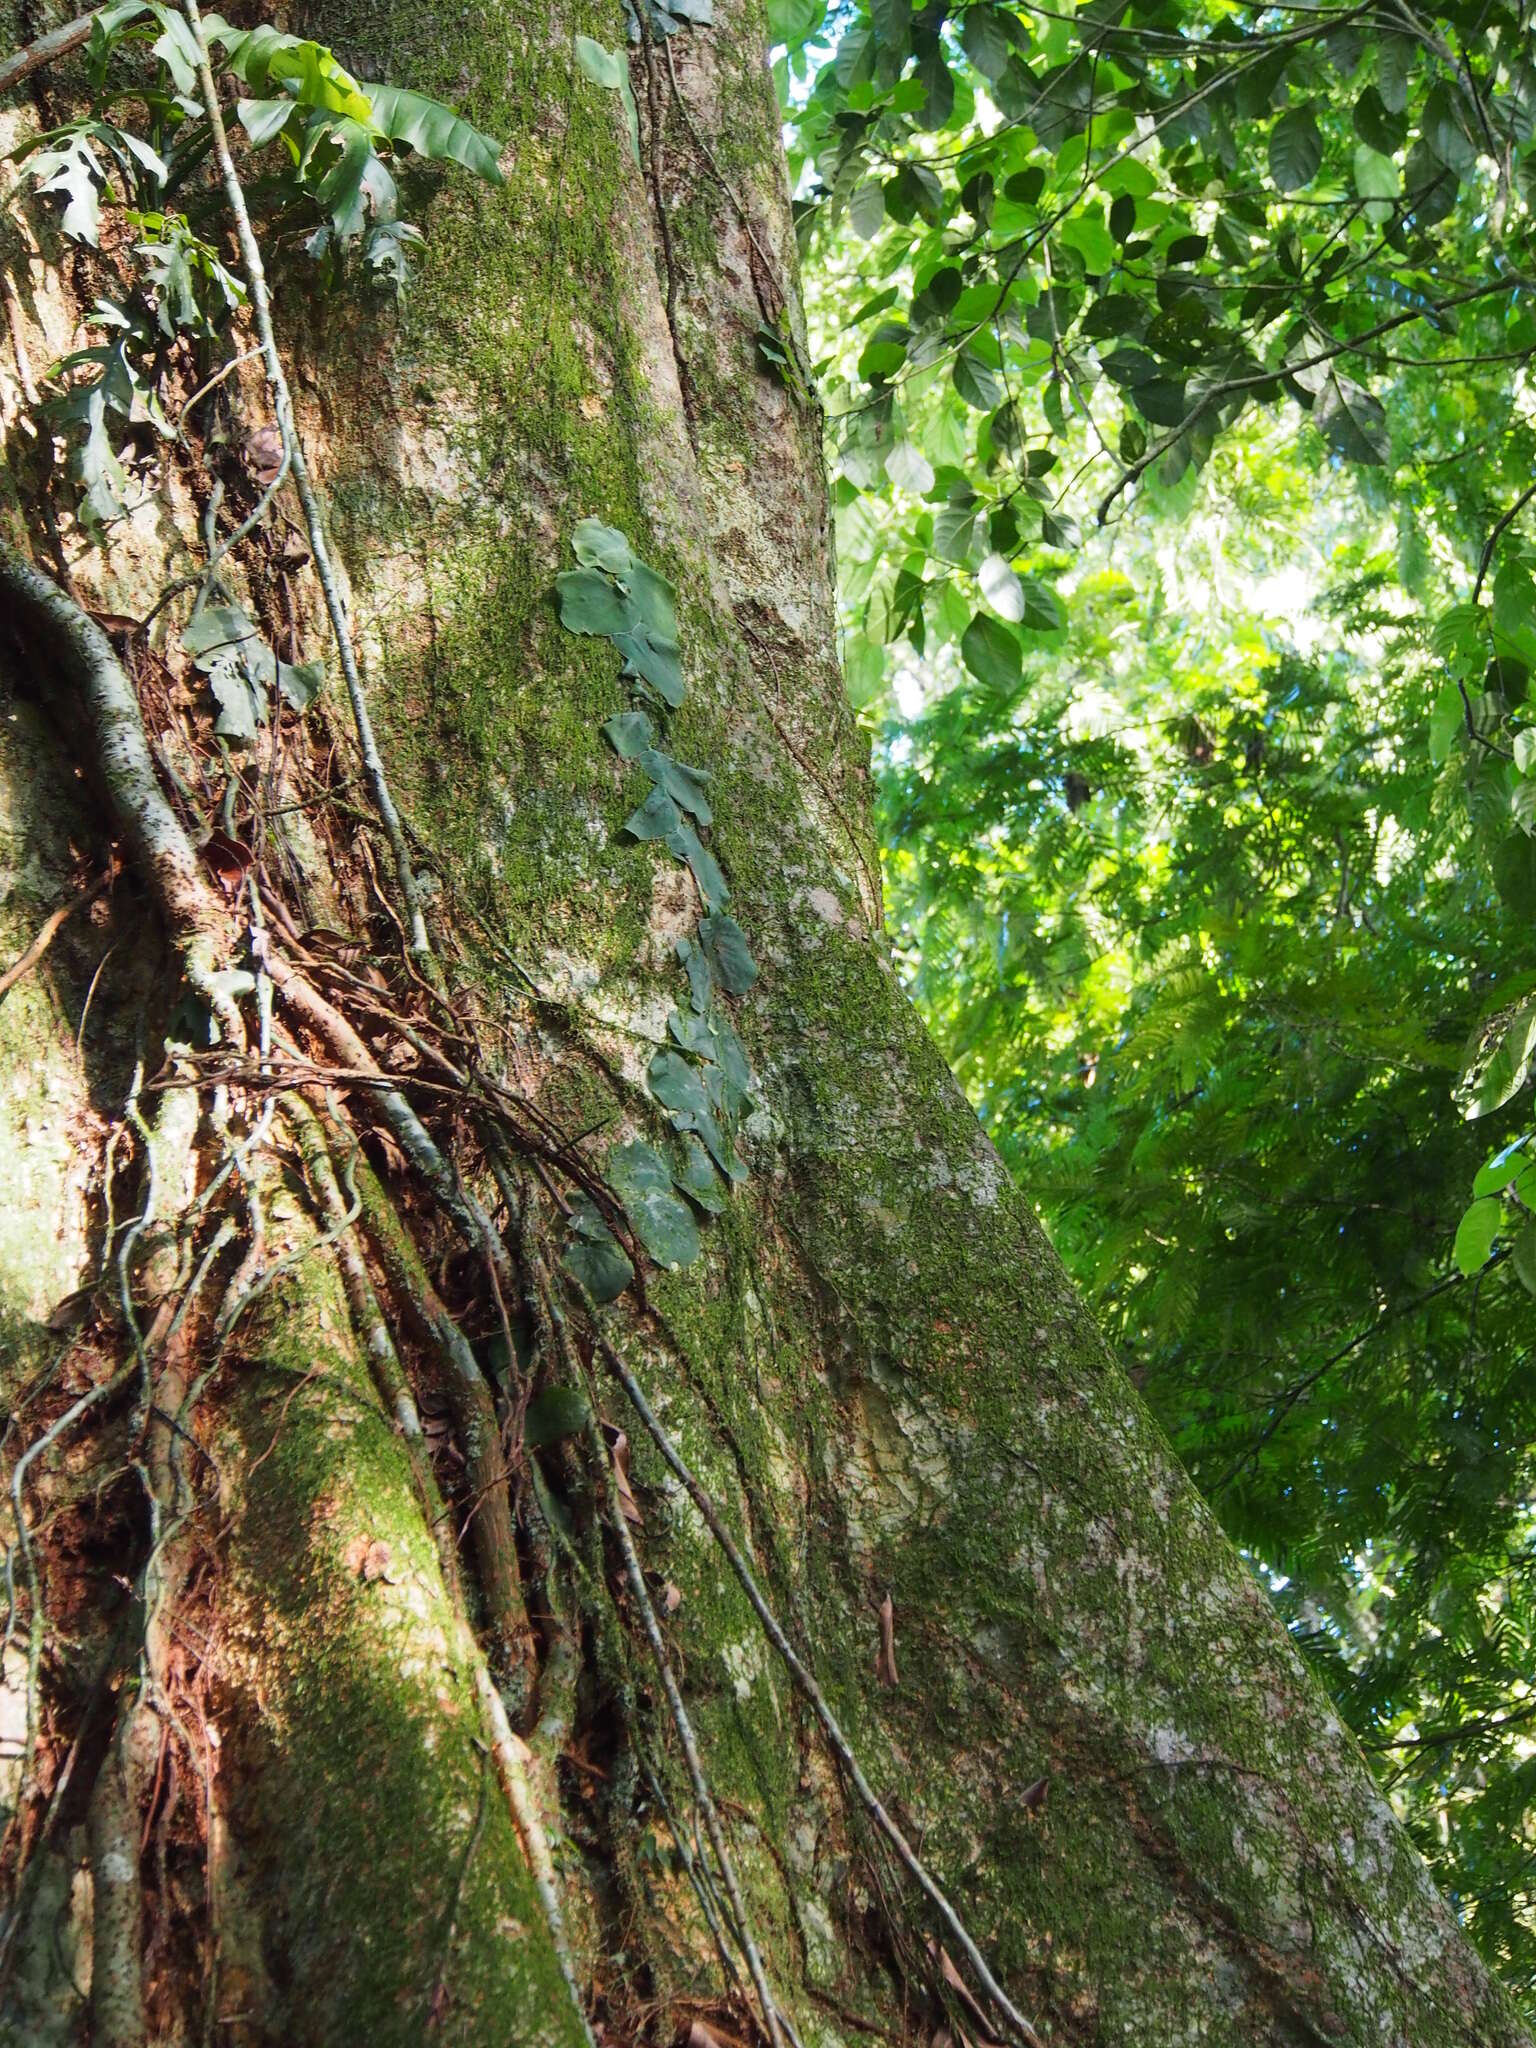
point(1069, 1690)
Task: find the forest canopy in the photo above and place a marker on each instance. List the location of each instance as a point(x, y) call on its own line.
point(1176, 366)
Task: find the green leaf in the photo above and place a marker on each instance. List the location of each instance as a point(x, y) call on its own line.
point(591, 602)
point(1377, 183)
point(1475, 1233)
point(553, 1413)
point(991, 652)
point(1445, 722)
point(662, 1221)
point(434, 131)
point(655, 603)
point(684, 785)
point(1523, 1257)
point(866, 209)
point(346, 186)
point(1002, 589)
point(1501, 1169)
point(594, 1255)
point(909, 469)
point(985, 41)
point(729, 955)
point(75, 170)
point(1501, 1062)
point(602, 547)
point(977, 383)
point(793, 22)
point(1377, 125)
point(699, 1179)
point(1354, 422)
point(263, 120)
point(609, 68)
point(1295, 149)
point(629, 733)
point(654, 664)
point(1043, 611)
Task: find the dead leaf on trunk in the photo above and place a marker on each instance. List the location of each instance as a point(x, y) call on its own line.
point(967, 1997)
point(885, 1658)
point(618, 1451)
point(671, 1598)
point(264, 452)
point(230, 860)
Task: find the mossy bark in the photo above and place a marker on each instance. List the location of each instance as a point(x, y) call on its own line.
point(878, 1367)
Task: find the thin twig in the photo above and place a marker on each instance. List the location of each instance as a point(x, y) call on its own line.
point(51, 928)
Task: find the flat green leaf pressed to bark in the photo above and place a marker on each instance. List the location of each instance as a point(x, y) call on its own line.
point(662, 1220)
point(594, 1255)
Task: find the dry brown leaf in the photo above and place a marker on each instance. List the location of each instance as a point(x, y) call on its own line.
point(885, 1660)
point(671, 1598)
point(229, 859)
point(618, 1451)
point(966, 1996)
point(264, 452)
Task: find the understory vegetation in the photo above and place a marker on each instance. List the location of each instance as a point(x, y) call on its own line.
point(1177, 364)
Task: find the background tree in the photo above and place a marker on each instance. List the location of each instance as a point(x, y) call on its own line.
point(431, 1190)
point(1210, 826)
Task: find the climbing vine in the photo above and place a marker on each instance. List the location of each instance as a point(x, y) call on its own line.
point(705, 1086)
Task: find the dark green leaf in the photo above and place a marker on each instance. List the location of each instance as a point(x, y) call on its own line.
point(1295, 149)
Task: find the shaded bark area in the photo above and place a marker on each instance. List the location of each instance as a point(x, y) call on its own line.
point(1094, 1729)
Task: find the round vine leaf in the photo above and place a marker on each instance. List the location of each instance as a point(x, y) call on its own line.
point(654, 601)
point(663, 1222)
point(701, 980)
point(594, 1255)
point(602, 547)
point(684, 785)
point(699, 1180)
point(591, 602)
point(629, 733)
point(657, 818)
point(555, 1413)
point(676, 1085)
point(657, 664)
point(729, 955)
point(688, 846)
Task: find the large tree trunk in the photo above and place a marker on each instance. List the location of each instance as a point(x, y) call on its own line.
point(261, 1786)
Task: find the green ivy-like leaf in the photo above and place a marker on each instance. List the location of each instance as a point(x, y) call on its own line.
point(595, 1256)
point(730, 957)
point(662, 1221)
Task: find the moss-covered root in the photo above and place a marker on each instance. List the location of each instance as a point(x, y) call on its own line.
point(396, 1901)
